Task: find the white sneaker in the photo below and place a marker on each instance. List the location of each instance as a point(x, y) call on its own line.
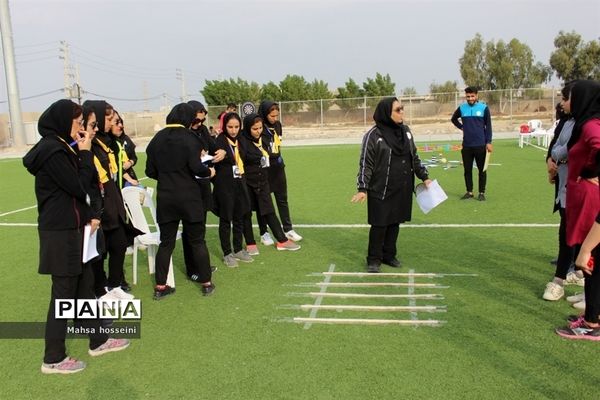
point(267, 240)
point(553, 292)
point(573, 279)
point(576, 298)
point(292, 235)
point(580, 305)
point(119, 294)
point(109, 295)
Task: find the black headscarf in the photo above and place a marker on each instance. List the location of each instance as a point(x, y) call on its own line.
point(226, 119)
point(182, 114)
point(57, 120)
point(99, 107)
point(393, 133)
point(250, 120)
point(198, 107)
point(54, 124)
point(263, 111)
point(585, 105)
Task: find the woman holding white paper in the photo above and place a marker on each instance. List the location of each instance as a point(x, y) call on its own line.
point(62, 164)
point(386, 177)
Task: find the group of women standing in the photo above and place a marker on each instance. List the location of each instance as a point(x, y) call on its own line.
point(185, 159)
point(574, 165)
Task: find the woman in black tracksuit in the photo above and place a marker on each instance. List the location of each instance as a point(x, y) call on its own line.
point(255, 153)
point(174, 162)
point(387, 168)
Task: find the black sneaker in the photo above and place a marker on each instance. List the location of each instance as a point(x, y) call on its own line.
point(481, 197)
point(467, 196)
point(125, 286)
point(374, 268)
point(163, 292)
point(394, 262)
point(207, 290)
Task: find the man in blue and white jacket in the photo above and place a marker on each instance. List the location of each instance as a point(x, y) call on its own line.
point(476, 124)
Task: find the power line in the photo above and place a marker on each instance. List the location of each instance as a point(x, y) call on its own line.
point(136, 67)
point(123, 73)
point(122, 99)
point(35, 52)
point(35, 95)
point(36, 45)
point(36, 59)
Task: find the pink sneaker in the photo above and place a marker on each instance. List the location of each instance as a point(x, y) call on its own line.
point(109, 346)
point(288, 245)
point(67, 366)
point(252, 249)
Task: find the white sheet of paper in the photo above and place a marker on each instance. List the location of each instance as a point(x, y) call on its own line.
point(90, 250)
point(206, 158)
point(429, 198)
point(488, 155)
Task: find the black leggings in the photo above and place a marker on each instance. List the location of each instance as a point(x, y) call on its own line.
point(197, 261)
point(565, 252)
point(69, 287)
point(116, 246)
point(592, 290)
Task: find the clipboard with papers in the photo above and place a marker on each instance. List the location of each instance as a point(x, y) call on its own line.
point(486, 164)
point(429, 198)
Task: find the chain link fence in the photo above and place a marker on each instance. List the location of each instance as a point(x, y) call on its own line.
point(334, 118)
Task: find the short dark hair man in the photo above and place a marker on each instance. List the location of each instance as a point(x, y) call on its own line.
point(476, 124)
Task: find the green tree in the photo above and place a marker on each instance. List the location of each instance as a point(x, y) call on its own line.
point(500, 65)
point(350, 96)
point(230, 91)
point(444, 92)
point(318, 90)
point(575, 59)
point(380, 86)
point(270, 91)
point(294, 88)
point(472, 62)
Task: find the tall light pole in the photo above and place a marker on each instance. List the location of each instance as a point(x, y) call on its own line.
point(10, 68)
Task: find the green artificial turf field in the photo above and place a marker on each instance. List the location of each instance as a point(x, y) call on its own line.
point(496, 339)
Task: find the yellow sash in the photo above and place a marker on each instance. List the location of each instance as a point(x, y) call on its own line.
point(262, 150)
point(236, 154)
point(276, 141)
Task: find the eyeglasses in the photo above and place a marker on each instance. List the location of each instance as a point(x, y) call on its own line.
point(94, 124)
point(119, 122)
point(399, 109)
point(80, 122)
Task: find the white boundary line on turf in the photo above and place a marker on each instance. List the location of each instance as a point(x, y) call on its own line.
point(349, 226)
point(16, 211)
point(318, 299)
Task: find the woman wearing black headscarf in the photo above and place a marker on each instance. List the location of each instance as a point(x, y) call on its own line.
point(174, 161)
point(269, 112)
point(255, 153)
point(583, 204)
point(386, 176)
point(232, 204)
point(61, 176)
point(118, 232)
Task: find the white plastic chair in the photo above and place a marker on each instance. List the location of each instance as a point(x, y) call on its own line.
point(135, 199)
point(537, 132)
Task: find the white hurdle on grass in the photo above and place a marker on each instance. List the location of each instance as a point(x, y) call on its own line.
point(377, 296)
point(379, 284)
point(367, 321)
point(371, 308)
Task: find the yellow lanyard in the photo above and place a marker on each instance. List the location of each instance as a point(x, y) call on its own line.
point(112, 163)
point(262, 150)
point(276, 141)
point(236, 155)
point(174, 126)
